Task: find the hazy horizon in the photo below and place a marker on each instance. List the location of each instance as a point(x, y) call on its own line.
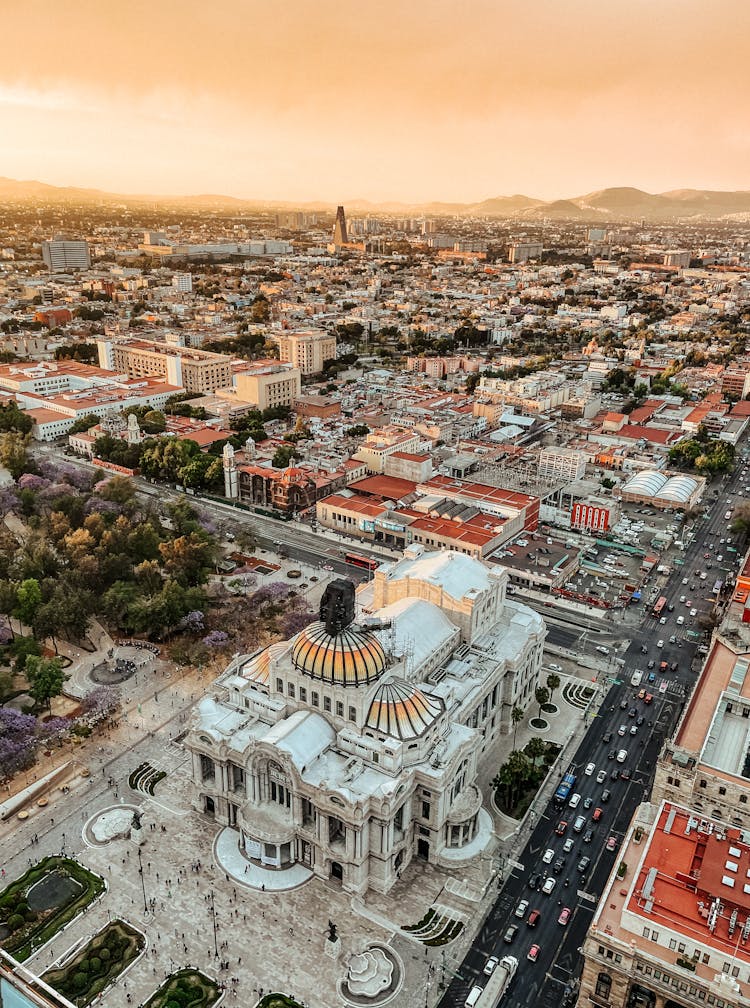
point(436, 102)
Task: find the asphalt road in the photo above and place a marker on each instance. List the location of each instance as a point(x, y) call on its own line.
point(544, 983)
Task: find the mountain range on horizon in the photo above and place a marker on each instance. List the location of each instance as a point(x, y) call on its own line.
point(611, 204)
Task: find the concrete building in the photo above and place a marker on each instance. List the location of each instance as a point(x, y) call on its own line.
point(307, 351)
point(678, 258)
point(183, 282)
point(269, 385)
point(66, 256)
point(352, 749)
point(521, 252)
point(561, 463)
point(735, 381)
point(194, 370)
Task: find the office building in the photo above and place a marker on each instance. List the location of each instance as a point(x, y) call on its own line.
point(66, 256)
point(340, 236)
point(193, 370)
point(183, 282)
point(269, 385)
point(307, 351)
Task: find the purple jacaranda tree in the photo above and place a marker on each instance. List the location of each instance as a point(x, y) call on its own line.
point(17, 740)
point(54, 728)
point(216, 638)
point(101, 700)
point(296, 620)
point(194, 621)
point(8, 501)
point(30, 481)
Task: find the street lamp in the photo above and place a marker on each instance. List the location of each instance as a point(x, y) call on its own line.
point(143, 881)
point(213, 920)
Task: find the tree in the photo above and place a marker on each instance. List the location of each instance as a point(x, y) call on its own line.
point(541, 695)
point(46, 679)
point(740, 524)
point(13, 454)
point(553, 683)
point(14, 419)
point(535, 748)
point(8, 601)
point(187, 559)
point(283, 456)
point(154, 422)
point(84, 423)
point(516, 716)
point(28, 600)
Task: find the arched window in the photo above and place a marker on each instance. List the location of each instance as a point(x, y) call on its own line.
point(603, 986)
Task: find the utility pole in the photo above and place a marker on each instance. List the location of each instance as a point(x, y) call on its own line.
point(213, 920)
point(143, 882)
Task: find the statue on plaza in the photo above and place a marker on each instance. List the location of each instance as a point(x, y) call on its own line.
point(332, 933)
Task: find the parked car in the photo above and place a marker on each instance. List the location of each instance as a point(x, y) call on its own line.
point(564, 916)
point(590, 767)
point(588, 836)
point(534, 880)
point(533, 953)
point(522, 907)
point(605, 796)
point(533, 918)
point(611, 844)
point(548, 856)
point(489, 966)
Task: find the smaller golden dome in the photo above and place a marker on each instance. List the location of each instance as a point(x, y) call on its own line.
point(402, 710)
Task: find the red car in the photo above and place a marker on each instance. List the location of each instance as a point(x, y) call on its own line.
point(648, 698)
point(564, 916)
point(533, 953)
point(561, 827)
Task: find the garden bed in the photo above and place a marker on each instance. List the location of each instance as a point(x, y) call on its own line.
point(278, 1001)
point(29, 927)
point(99, 962)
point(187, 988)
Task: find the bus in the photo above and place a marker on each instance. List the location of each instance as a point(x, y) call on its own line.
point(565, 786)
point(357, 560)
point(658, 606)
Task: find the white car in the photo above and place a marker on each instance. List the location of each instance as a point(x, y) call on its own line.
point(522, 907)
point(622, 755)
point(568, 845)
point(684, 581)
point(693, 612)
point(601, 777)
point(683, 597)
point(663, 621)
point(590, 769)
point(549, 885)
point(548, 856)
point(489, 966)
point(660, 643)
point(621, 730)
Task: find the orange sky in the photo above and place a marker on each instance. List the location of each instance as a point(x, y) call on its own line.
point(385, 99)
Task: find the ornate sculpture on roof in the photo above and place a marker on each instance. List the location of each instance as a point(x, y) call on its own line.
point(250, 451)
point(337, 606)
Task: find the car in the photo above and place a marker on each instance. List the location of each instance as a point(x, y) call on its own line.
point(533, 954)
point(674, 666)
point(680, 620)
point(510, 933)
point(660, 643)
point(561, 827)
point(688, 603)
point(639, 720)
point(588, 802)
point(651, 664)
point(588, 836)
point(641, 694)
point(633, 729)
point(522, 907)
point(605, 796)
point(651, 679)
point(534, 880)
point(549, 885)
point(607, 737)
point(489, 966)
point(693, 612)
point(648, 698)
point(670, 607)
point(564, 916)
point(683, 597)
point(597, 814)
point(719, 558)
point(684, 581)
point(622, 730)
point(611, 844)
point(579, 823)
point(558, 866)
point(590, 767)
point(583, 864)
point(623, 705)
point(611, 754)
point(327, 567)
point(556, 668)
point(615, 775)
point(533, 918)
point(706, 556)
point(662, 621)
point(632, 712)
point(548, 856)
point(601, 649)
point(644, 649)
point(601, 777)
point(568, 845)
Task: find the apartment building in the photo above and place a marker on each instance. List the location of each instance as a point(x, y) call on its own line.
point(380, 444)
point(307, 351)
point(521, 252)
point(194, 370)
point(269, 385)
point(735, 381)
point(561, 463)
point(65, 256)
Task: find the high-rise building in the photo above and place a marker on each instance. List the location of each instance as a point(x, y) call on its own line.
point(183, 282)
point(193, 370)
point(521, 252)
point(340, 236)
point(61, 256)
point(307, 351)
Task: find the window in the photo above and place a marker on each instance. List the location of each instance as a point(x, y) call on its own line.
point(279, 685)
point(327, 704)
point(603, 986)
point(704, 958)
point(673, 944)
point(722, 790)
point(303, 694)
point(290, 689)
point(702, 784)
point(743, 799)
point(681, 947)
point(339, 708)
point(315, 699)
point(654, 936)
point(426, 809)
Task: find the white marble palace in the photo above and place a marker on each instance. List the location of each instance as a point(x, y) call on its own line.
point(353, 747)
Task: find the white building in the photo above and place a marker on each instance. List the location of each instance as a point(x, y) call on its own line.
point(62, 256)
point(353, 747)
point(561, 463)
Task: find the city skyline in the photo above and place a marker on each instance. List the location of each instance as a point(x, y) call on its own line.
point(432, 103)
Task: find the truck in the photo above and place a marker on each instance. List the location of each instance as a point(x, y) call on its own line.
point(564, 788)
point(498, 983)
point(635, 679)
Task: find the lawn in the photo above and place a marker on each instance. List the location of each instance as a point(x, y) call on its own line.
point(25, 928)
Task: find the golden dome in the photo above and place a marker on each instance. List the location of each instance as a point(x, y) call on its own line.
point(351, 657)
point(257, 669)
point(402, 710)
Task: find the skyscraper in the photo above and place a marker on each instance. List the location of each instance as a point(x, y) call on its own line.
point(339, 228)
point(61, 256)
